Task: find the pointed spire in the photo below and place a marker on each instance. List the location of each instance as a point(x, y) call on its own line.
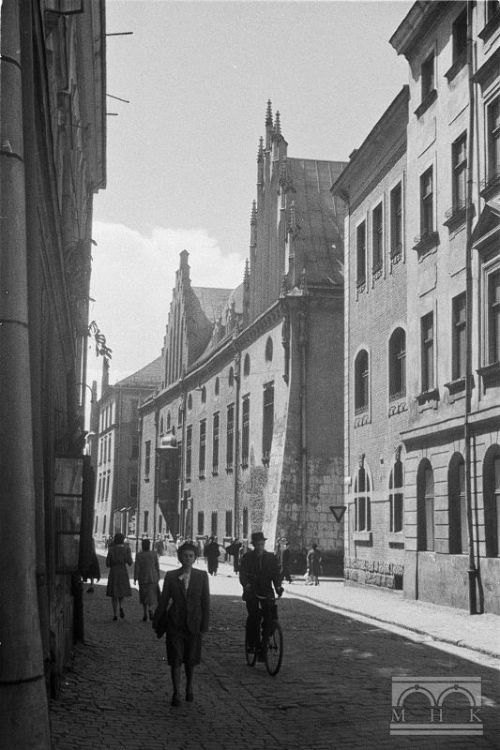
point(269, 113)
point(253, 215)
point(260, 152)
point(277, 123)
point(246, 277)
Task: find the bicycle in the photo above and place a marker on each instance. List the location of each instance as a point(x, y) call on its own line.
point(270, 647)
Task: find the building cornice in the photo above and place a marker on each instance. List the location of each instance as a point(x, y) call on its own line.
point(416, 24)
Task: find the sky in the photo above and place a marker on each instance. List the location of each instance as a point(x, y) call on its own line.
point(181, 155)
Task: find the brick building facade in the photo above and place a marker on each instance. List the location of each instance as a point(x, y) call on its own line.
point(253, 392)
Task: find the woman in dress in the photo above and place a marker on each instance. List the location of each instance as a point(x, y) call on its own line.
point(119, 556)
point(147, 572)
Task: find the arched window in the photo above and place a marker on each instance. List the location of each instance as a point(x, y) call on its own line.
point(217, 386)
point(396, 484)
point(168, 420)
point(397, 364)
point(362, 502)
point(190, 402)
point(361, 374)
point(425, 506)
point(179, 416)
point(203, 395)
point(269, 350)
point(246, 365)
point(457, 509)
point(161, 425)
point(230, 379)
point(491, 490)
point(104, 525)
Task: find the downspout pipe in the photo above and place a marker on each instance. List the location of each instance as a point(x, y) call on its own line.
point(303, 416)
point(139, 484)
point(237, 377)
point(472, 569)
point(24, 718)
point(156, 477)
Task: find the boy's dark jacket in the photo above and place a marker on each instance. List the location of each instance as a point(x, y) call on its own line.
point(179, 608)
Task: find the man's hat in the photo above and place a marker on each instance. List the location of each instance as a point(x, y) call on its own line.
point(258, 536)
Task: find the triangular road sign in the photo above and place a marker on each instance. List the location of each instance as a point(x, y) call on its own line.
point(338, 511)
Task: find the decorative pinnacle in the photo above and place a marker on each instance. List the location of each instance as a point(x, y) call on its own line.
point(260, 152)
point(253, 215)
point(277, 124)
point(269, 113)
point(246, 277)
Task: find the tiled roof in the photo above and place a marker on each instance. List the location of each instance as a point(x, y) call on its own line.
point(150, 375)
point(319, 216)
point(212, 301)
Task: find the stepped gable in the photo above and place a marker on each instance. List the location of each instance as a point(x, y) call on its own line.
point(319, 217)
point(150, 375)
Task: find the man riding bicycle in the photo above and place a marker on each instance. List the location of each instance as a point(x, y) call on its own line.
point(259, 572)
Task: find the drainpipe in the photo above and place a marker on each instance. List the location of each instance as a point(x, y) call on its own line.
point(181, 529)
point(237, 377)
point(155, 483)
point(303, 415)
point(139, 485)
point(472, 570)
point(23, 698)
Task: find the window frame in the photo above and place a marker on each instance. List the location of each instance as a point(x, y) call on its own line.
point(459, 172)
point(245, 430)
point(202, 448)
point(458, 336)
point(396, 497)
point(427, 217)
point(397, 365)
point(267, 421)
point(215, 443)
point(361, 383)
point(427, 354)
point(189, 453)
point(377, 238)
point(426, 533)
point(397, 235)
point(457, 509)
point(361, 256)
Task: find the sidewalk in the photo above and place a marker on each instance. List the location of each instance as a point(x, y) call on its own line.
point(480, 633)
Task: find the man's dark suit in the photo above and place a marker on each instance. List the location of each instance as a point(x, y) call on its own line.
point(258, 575)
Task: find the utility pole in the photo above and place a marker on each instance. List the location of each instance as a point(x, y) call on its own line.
point(23, 698)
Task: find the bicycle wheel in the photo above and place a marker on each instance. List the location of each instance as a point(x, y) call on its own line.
point(274, 650)
point(250, 653)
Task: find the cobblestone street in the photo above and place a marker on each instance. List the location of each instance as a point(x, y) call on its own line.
point(333, 691)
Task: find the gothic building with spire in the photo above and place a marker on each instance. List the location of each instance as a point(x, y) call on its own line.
point(247, 431)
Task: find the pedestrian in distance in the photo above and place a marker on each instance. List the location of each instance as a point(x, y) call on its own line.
point(314, 565)
point(147, 573)
point(92, 571)
point(234, 550)
point(160, 547)
point(212, 552)
point(119, 556)
point(285, 561)
point(183, 613)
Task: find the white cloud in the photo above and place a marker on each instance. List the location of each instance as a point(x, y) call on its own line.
point(132, 280)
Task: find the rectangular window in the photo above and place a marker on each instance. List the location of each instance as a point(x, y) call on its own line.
point(396, 221)
point(133, 487)
point(268, 421)
point(108, 482)
point(213, 524)
point(146, 522)
point(215, 444)
point(427, 77)
point(189, 447)
point(229, 436)
point(426, 203)
point(245, 431)
point(134, 446)
point(494, 140)
point(377, 232)
point(458, 337)
point(427, 347)
point(460, 38)
point(494, 317)
point(203, 445)
point(459, 160)
point(361, 255)
point(201, 522)
point(229, 522)
point(147, 458)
